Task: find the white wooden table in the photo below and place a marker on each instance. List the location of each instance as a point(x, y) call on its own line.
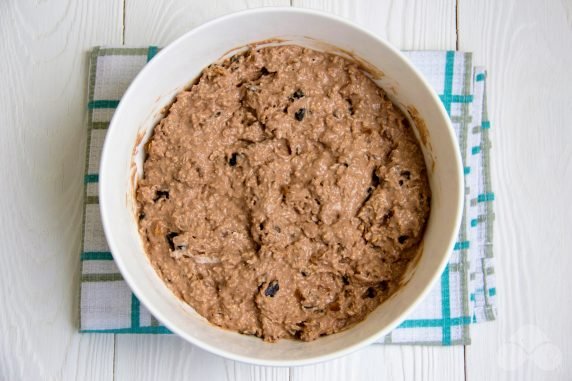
point(526, 45)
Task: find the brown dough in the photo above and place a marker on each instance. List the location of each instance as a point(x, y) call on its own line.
point(283, 194)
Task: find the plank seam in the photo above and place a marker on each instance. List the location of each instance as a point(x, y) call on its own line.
point(123, 23)
point(457, 25)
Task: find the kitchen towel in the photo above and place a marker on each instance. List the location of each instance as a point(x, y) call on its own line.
point(465, 293)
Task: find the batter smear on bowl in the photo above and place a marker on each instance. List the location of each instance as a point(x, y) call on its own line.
point(283, 194)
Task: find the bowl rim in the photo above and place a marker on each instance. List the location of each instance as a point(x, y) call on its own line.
point(106, 215)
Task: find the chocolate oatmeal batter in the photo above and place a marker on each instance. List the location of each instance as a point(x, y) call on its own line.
point(283, 194)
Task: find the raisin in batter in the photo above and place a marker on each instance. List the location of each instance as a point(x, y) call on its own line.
point(283, 194)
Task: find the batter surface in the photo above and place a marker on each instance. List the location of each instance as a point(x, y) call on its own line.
point(283, 194)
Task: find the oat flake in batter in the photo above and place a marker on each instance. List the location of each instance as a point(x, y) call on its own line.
point(283, 194)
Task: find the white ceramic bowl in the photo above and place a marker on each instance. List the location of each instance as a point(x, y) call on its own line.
point(182, 61)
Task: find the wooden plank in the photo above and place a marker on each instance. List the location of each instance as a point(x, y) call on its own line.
point(168, 357)
point(379, 362)
point(409, 25)
point(158, 23)
point(43, 109)
point(526, 46)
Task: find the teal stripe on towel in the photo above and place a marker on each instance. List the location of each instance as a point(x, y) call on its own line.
point(91, 178)
point(103, 103)
point(96, 256)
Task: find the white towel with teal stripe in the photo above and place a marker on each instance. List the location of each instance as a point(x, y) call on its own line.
point(466, 291)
